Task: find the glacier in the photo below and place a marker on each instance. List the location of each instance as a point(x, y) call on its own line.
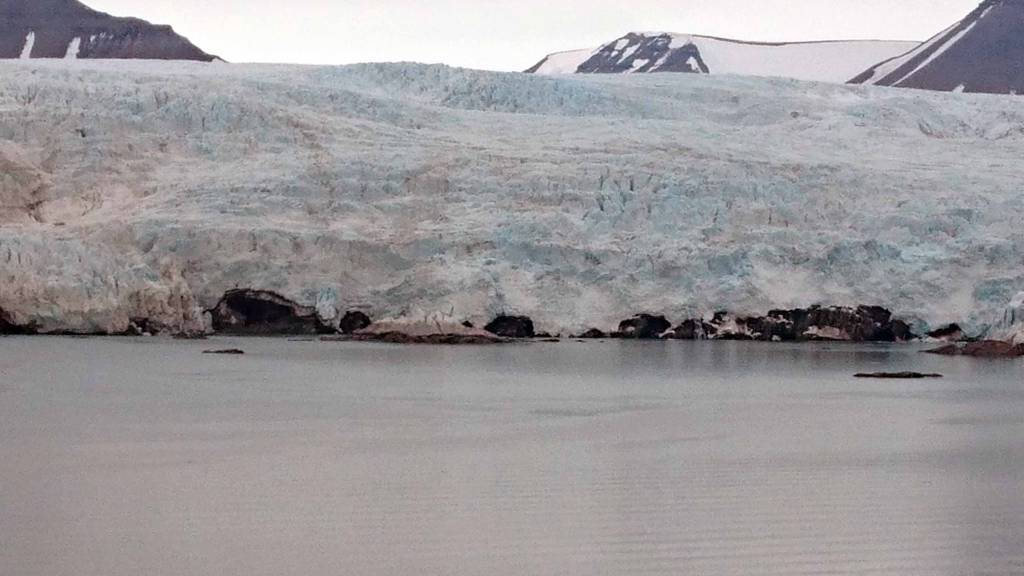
point(146, 190)
point(1011, 327)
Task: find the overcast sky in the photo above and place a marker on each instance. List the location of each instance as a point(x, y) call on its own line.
point(512, 34)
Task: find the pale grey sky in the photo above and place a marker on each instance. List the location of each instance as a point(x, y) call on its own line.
point(512, 34)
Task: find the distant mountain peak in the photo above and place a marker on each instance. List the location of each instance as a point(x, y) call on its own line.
point(70, 29)
point(650, 52)
point(984, 53)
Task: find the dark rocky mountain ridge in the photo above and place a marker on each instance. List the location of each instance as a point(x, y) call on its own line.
point(983, 53)
point(68, 28)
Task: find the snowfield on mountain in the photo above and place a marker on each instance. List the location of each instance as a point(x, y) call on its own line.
point(651, 52)
point(147, 190)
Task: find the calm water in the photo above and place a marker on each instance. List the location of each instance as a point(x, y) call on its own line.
point(147, 458)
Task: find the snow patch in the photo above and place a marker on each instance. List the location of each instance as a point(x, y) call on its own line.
point(73, 47)
point(639, 63)
point(564, 62)
point(942, 50)
point(889, 66)
point(30, 43)
point(813, 61)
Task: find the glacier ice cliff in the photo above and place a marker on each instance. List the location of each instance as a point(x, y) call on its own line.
point(145, 190)
point(1011, 327)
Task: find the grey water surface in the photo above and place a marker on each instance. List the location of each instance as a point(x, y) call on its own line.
point(144, 457)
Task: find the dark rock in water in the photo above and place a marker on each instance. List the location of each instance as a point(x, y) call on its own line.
point(690, 330)
point(983, 349)
point(951, 333)
point(262, 313)
point(227, 352)
point(190, 336)
point(593, 334)
point(898, 375)
point(543, 335)
point(353, 322)
point(644, 327)
point(68, 28)
point(435, 339)
point(511, 327)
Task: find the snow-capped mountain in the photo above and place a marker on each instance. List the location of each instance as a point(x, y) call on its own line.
point(982, 53)
point(665, 52)
point(69, 29)
point(148, 190)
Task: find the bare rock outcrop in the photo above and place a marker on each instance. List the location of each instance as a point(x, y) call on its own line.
point(264, 313)
point(644, 327)
point(511, 327)
point(354, 321)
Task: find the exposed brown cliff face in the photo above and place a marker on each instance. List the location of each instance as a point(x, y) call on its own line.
point(59, 28)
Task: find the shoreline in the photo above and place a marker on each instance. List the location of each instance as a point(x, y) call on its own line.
point(985, 350)
point(252, 312)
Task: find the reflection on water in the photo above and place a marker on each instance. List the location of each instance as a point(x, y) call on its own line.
point(129, 457)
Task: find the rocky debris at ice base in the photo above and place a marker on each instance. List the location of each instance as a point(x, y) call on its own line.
point(692, 329)
point(644, 327)
point(425, 331)
point(264, 313)
point(817, 323)
point(354, 321)
point(511, 327)
point(951, 333)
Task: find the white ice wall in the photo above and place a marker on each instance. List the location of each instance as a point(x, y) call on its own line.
point(147, 189)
